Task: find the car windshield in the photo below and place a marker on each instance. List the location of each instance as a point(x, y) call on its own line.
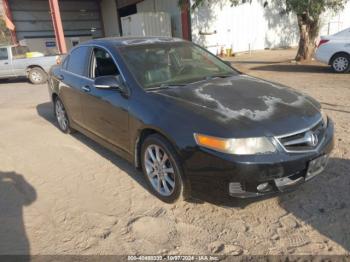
point(171, 64)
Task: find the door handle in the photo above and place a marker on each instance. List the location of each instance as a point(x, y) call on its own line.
point(6, 63)
point(86, 89)
point(60, 77)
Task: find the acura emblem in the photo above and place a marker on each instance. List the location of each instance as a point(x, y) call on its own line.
point(311, 138)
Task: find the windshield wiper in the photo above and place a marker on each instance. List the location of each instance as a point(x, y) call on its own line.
point(219, 76)
point(171, 85)
point(164, 86)
point(212, 77)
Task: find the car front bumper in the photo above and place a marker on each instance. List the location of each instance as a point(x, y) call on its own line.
point(210, 172)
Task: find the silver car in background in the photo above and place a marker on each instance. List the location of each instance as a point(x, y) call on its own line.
point(334, 50)
point(14, 63)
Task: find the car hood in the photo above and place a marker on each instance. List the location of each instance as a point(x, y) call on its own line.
point(253, 105)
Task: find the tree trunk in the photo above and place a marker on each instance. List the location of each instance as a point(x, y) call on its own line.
point(4, 36)
point(308, 30)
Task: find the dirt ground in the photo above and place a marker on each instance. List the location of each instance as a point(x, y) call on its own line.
point(64, 194)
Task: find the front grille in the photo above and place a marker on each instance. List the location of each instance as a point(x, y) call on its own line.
point(306, 140)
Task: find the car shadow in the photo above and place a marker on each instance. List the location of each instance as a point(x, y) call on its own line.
point(224, 200)
point(324, 203)
point(14, 80)
point(286, 200)
point(15, 193)
point(336, 110)
point(45, 111)
point(114, 158)
point(335, 107)
point(294, 68)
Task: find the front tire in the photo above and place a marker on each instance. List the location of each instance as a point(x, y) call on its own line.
point(162, 169)
point(62, 117)
point(37, 76)
point(341, 63)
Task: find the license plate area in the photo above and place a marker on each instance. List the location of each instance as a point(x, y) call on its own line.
point(316, 167)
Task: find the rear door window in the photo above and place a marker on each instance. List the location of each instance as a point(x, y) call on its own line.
point(3, 54)
point(78, 61)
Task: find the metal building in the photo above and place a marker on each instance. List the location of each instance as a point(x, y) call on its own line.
point(50, 26)
point(81, 21)
point(79, 17)
point(180, 18)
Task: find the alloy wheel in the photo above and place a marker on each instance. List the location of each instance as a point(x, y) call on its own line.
point(340, 64)
point(36, 77)
point(160, 170)
point(61, 115)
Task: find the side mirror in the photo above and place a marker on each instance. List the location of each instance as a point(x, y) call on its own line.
point(107, 82)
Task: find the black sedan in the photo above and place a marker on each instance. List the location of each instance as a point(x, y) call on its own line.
point(188, 119)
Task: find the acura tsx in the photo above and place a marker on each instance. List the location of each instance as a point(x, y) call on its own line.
point(189, 120)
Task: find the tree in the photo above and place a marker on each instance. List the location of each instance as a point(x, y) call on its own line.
point(308, 14)
point(5, 36)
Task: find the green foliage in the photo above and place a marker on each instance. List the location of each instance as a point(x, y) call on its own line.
point(197, 3)
point(308, 13)
point(313, 8)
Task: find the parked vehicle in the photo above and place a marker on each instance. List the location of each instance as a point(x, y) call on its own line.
point(13, 63)
point(334, 50)
point(189, 120)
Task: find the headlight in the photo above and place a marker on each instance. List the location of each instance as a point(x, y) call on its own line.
point(324, 117)
point(240, 146)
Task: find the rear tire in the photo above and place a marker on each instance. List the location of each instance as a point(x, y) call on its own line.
point(341, 63)
point(62, 117)
point(162, 170)
point(37, 76)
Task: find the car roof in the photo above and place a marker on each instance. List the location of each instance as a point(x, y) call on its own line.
point(131, 41)
point(2, 46)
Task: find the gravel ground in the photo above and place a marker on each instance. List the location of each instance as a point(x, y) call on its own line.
point(64, 194)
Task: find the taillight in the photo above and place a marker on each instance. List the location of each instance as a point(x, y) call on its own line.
point(58, 60)
point(323, 41)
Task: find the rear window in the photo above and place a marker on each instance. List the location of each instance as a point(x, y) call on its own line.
point(19, 51)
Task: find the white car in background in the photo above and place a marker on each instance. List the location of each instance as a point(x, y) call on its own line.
point(334, 50)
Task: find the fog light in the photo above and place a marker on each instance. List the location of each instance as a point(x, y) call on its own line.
point(236, 188)
point(264, 187)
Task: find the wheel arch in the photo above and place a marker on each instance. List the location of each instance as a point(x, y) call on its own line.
point(146, 132)
point(30, 67)
point(141, 137)
point(338, 53)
